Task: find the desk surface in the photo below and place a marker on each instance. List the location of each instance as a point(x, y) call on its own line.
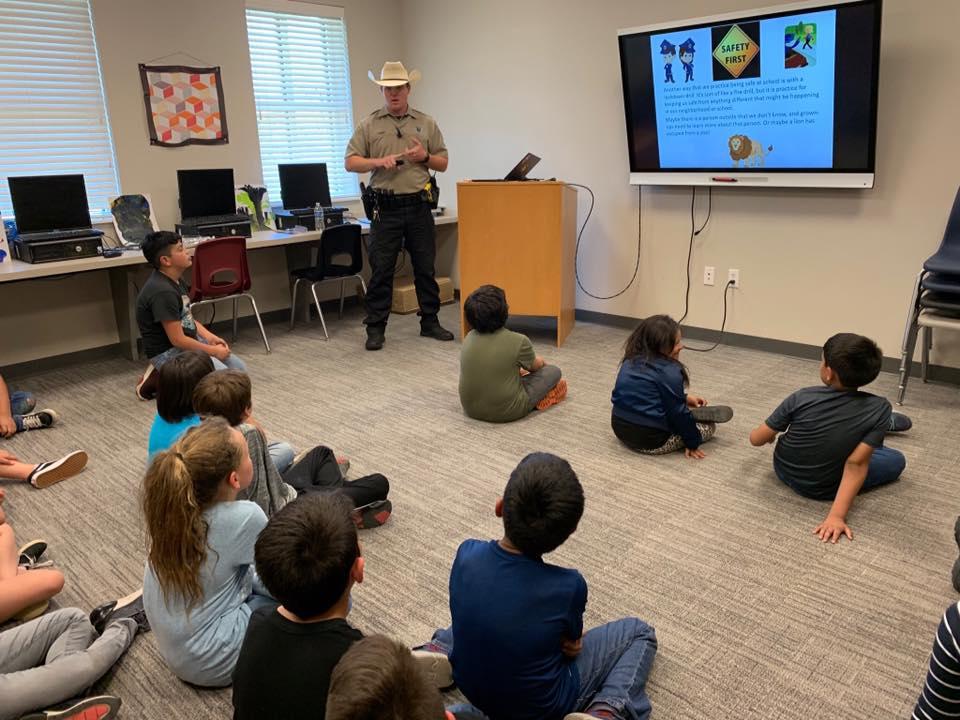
point(12, 270)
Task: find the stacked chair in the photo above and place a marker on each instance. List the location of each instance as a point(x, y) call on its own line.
point(935, 302)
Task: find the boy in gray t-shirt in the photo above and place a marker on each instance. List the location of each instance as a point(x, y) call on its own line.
point(832, 442)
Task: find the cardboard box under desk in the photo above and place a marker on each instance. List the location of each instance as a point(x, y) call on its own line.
point(405, 294)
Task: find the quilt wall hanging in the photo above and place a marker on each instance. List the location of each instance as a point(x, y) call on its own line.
point(184, 105)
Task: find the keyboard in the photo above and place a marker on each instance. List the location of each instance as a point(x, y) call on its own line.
point(216, 219)
point(59, 235)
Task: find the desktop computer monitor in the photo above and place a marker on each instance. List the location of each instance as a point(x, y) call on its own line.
point(303, 185)
point(206, 192)
point(47, 203)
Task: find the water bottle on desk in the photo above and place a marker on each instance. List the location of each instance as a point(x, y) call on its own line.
point(318, 220)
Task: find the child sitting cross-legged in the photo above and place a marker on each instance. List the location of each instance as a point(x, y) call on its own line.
point(517, 643)
point(501, 377)
point(832, 442)
point(199, 587)
point(228, 394)
point(309, 558)
point(652, 412)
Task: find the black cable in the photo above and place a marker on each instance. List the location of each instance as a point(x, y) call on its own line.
point(693, 233)
point(576, 252)
point(723, 324)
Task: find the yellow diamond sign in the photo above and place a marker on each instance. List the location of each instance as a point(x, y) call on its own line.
point(736, 51)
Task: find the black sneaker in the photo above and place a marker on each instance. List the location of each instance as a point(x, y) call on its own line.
point(39, 420)
point(99, 707)
point(899, 422)
point(375, 337)
point(373, 515)
point(47, 473)
point(130, 606)
point(712, 413)
point(436, 331)
point(31, 553)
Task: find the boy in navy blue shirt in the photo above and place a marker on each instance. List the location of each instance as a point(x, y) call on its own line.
point(832, 441)
point(517, 644)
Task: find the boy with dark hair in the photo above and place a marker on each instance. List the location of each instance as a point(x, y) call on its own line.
point(832, 442)
point(501, 377)
point(379, 679)
point(308, 557)
point(163, 316)
point(277, 476)
point(520, 653)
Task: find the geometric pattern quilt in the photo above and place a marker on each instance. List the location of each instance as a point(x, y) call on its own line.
point(184, 105)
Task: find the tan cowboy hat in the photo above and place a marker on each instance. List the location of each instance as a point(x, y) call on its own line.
point(394, 74)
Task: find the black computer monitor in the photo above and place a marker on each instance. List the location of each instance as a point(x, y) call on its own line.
point(206, 192)
point(303, 185)
point(46, 203)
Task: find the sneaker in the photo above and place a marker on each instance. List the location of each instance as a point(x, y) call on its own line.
point(436, 331)
point(99, 707)
point(39, 420)
point(31, 553)
point(712, 414)
point(899, 422)
point(31, 612)
point(130, 606)
point(47, 473)
point(344, 464)
point(147, 385)
point(373, 515)
point(557, 393)
point(435, 667)
point(375, 337)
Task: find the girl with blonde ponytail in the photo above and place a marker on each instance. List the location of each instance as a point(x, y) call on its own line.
point(199, 586)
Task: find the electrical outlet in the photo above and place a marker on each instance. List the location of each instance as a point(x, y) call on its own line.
point(708, 274)
point(734, 277)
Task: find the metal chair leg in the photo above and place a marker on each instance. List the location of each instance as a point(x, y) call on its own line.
point(925, 352)
point(363, 285)
point(256, 314)
point(235, 318)
point(909, 339)
point(316, 300)
point(342, 281)
point(293, 302)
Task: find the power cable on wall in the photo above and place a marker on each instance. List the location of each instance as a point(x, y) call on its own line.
point(576, 254)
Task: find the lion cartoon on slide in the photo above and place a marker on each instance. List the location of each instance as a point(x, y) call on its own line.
point(749, 151)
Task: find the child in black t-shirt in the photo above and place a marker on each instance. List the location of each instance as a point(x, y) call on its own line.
point(832, 442)
point(163, 316)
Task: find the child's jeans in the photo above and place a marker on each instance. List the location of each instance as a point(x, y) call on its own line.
point(21, 403)
point(613, 666)
point(232, 362)
point(886, 466)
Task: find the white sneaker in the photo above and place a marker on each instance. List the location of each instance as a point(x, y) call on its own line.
point(435, 667)
point(47, 473)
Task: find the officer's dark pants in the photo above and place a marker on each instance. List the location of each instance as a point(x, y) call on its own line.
point(411, 227)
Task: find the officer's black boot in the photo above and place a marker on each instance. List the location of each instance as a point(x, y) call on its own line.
point(375, 337)
point(430, 327)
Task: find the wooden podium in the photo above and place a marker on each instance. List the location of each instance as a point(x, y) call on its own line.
point(520, 236)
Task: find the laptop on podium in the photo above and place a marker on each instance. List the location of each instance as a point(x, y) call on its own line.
point(520, 170)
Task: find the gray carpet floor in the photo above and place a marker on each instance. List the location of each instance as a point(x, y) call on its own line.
point(755, 618)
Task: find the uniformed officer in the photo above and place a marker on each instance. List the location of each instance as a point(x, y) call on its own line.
point(399, 145)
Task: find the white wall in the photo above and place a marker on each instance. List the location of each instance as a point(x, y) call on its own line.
point(503, 78)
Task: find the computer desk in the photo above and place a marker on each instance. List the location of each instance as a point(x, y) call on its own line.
point(122, 271)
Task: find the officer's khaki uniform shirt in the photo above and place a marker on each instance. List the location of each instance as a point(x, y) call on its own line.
point(376, 137)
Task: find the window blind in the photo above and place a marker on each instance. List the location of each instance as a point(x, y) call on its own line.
point(301, 83)
point(53, 114)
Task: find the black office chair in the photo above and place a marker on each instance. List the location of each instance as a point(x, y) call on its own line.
point(935, 302)
point(339, 258)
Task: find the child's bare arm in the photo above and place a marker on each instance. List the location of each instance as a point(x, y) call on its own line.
point(179, 339)
point(7, 426)
point(572, 648)
point(762, 435)
point(538, 363)
point(854, 473)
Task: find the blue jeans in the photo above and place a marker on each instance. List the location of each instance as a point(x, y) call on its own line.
point(282, 455)
point(232, 362)
point(21, 403)
point(886, 466)
point(613, 666)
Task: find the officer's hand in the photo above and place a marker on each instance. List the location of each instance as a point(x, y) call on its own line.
point(388, 163)
point(416, 152)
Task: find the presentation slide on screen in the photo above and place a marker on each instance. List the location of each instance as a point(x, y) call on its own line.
point(747, 95)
